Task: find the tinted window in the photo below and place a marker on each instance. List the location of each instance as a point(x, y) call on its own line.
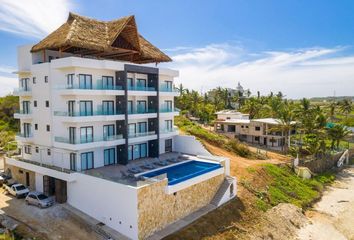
point(42, 196)
point(19, 188)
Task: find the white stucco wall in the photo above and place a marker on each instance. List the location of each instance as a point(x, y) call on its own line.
point(112, 203)
point(189, 145)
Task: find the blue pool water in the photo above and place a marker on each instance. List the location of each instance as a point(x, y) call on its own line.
point(184, 171)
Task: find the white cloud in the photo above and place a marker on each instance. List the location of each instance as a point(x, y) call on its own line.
point(34, 18)
point(302, 73)
point(7, 85)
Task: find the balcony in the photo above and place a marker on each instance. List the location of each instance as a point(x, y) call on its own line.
point(99, 115)
point(22, 92)
point(141, 137)
point(142, 91)
point(167, 111)
point(24, 137)
point(166, 90)
point(97, 88)
point(141, 113)
point(168, 132)
point(80, 144)
point(21, 114)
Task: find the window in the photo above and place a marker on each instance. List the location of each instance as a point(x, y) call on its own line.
point(72, 135)
point(142, 127)
point(137, 151)
point(86, 134)
point(47, 103)
point(131, 129)
point(71, 108)
point(242, 126)
point(141, 84)
point(168, 125)
point(34, 80)
point(48, 128)
point(246, 126)
point(48, 152)
point(50, 58)
point(87, 160)
point(46, 79)
point(256, 139)
point(168, 145)
point(130, 83)
point(86, 108)
point(141, 107)
point(109, 156)
point(130, 107)
point(85, 81)
point(24, 84)
point(73, 161)
point(107, 82)
point(26, 107)
point(37, 149)
point(107, 107)
point(28, 149)
point(168, 106)
point(36, 126)
point(168, 85)
point(258, 128)
point(70, 81)
point(108, 132)
point(35, 103)
point(26, 129)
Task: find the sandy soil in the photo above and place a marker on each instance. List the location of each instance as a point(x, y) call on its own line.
point(50, 223)
point(333, 216)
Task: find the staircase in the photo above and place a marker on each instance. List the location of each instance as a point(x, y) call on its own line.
point(224, 189)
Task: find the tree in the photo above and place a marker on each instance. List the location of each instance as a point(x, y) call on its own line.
point(346, 106)
point(332, 110)
point(337, 133)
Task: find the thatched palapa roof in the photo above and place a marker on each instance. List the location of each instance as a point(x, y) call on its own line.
point(117, 40)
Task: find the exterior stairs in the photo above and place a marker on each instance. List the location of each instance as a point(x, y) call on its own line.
point(223, 191)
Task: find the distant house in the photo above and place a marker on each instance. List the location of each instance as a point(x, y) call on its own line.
point(261, 131)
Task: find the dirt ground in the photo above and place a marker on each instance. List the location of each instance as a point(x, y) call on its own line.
point(332, 217)
point(50, 223)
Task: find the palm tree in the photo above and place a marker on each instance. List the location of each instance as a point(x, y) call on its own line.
point(332, 110)
point(337, 133)
point(346, 106)
point(181, 89)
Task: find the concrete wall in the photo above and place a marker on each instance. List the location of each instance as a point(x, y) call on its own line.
point(112, 203)
point(189, 145)
point(19, 175)
point(158, 209)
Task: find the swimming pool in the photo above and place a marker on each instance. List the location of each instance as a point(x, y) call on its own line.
point(184, 171)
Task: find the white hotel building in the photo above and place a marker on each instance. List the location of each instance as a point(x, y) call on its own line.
point(97, 130)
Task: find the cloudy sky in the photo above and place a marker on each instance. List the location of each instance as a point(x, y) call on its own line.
point(302, 48)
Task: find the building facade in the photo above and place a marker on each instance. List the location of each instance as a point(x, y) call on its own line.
point(264, 131)
point(96, 119)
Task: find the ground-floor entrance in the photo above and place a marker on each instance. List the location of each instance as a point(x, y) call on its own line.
point(55, 187)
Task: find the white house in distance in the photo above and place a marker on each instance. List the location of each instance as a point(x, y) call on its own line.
point(263, 131)
point(97, 130)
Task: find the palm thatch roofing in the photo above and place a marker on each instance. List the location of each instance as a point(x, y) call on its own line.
point(117, 40)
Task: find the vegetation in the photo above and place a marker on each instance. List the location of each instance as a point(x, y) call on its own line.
point(283, 186)
point(231, 145)
point(8, 125)
point(314, 135)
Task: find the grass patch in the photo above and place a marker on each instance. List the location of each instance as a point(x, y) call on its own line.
point(286, 187)
point(231, 145)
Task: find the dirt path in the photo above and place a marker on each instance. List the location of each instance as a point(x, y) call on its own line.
point(332, 217)
point(51, 223)
point(239, 165)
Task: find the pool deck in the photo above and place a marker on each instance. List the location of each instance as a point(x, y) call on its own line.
point(114, 172)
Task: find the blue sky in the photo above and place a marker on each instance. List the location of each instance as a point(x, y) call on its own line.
point(303, 48)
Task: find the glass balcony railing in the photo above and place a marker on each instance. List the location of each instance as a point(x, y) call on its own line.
point(141, 134)
point(88, 140)
point(24, 135)
point(141, 88)
point(97, 86)
point(22, 90)
point(85, 114)
point(141, 111)
point(166, 88)
point(23, 112)
point(168, 109)
point(168, 130)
